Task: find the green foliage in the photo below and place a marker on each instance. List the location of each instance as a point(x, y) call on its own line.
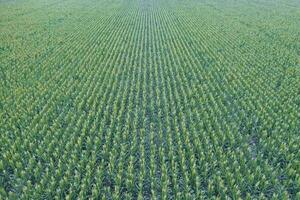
point(149, 99)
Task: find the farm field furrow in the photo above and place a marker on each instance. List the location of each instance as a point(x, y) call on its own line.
point(156, 99)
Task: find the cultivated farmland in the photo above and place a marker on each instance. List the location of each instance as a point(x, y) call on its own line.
point(149, 99)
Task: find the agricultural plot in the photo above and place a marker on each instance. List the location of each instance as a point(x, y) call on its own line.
point(149, 99)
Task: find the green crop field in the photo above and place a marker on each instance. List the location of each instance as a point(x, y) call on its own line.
point(149, 99)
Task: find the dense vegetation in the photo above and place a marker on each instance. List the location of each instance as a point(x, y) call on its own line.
point(145, 99)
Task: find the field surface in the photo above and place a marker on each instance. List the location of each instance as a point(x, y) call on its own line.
point(149, 99)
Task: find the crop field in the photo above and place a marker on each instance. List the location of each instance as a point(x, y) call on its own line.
point(149, 99)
